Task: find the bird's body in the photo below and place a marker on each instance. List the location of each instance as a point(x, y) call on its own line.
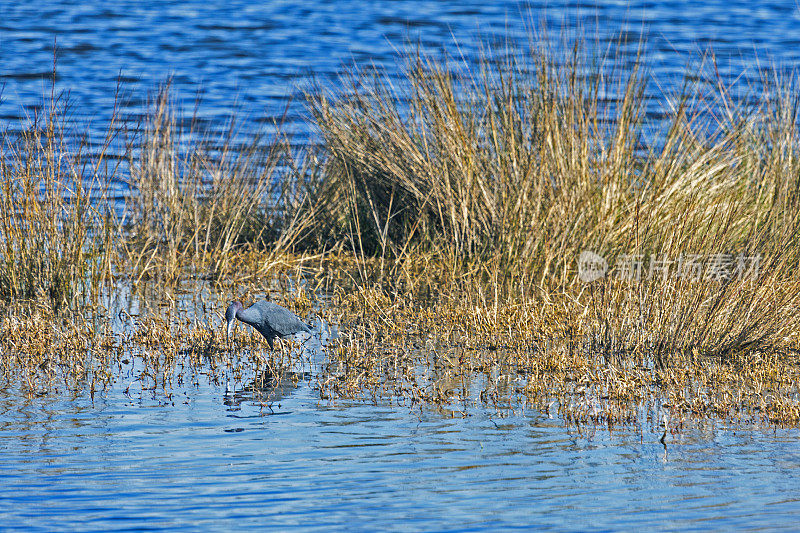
point(269, 319)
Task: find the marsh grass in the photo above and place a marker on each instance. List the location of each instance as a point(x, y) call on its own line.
point(454, 356)
point(43, 353)
point(486, 185)
point(439, 227)
point(467, 197)
point(201, 203)
point(56, 229)
point(199, 199)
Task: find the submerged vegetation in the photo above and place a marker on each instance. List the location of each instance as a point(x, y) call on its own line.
point(527, 232)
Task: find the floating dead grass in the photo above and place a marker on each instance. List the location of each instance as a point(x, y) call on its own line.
point(441, 354)
point(518, 356)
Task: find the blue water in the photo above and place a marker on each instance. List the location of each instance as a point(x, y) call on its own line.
point(207, 460)
point(255, 58)
point(207, 463)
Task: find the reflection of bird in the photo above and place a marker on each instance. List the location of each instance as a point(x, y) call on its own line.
point(269, 319)
point(268, 387)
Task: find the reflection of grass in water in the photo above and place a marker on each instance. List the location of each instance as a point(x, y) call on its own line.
point(443, 219)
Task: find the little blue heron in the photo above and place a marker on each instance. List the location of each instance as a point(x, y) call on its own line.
point(269, 319)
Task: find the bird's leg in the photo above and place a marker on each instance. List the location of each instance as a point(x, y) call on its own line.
point(228, 360)
point(230, 333)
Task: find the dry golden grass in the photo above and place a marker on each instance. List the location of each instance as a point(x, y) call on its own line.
point(56, 228)
point(459, 356)
point(202, 199)
point(488, 185)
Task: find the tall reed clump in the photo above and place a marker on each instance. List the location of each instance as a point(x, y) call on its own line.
point(198, 198)
point(494, 180)
point(56, 228)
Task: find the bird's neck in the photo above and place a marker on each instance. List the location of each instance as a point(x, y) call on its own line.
point(248, 316)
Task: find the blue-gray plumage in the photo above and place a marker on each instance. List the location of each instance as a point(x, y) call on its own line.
point(269, 319)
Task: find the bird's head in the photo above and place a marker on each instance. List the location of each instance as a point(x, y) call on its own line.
point(230, 316)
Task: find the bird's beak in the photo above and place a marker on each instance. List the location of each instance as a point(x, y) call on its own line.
point(229, 330)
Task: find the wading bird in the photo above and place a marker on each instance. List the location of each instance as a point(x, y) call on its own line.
point(269, 319)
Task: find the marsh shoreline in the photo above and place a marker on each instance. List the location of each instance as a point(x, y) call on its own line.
point(440, 228)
